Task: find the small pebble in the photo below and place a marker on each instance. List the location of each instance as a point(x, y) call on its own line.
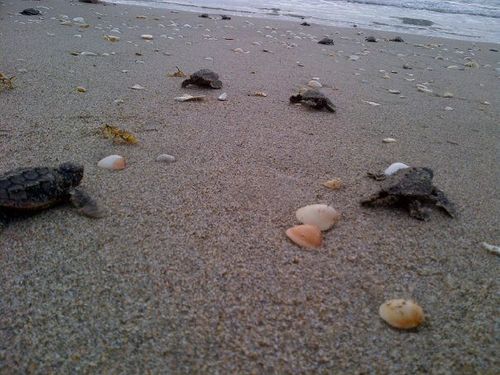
point(165, 158)
point(147, 36)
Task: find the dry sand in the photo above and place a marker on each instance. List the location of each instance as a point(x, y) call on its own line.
point(190, 271)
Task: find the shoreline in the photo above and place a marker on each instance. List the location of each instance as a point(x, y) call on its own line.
point(190, 270)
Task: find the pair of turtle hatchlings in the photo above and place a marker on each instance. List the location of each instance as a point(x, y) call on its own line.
point(27, 190)
point(311, 97)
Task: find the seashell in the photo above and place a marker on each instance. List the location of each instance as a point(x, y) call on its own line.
point(320, 215)
point(371, 103)
point(353, 57)
point(137, 87)
point(394, 167)
point(147, 36)
point(238, 50)
point(112, 162)
point(222, 97)
point(423, 88)
point(305, 235)
point(448, 108)
point(452, 67)
point(165, 158)
point(79, 19)
point(447, 94)
point(314, 83)
point(491, 248)
point(401, 313)
point(334, 184)
point(392, 91)
point(260, 93)
point(111, 38)
point(81, 89)
point(389, 140)
point(189, 98)
point(485, 103)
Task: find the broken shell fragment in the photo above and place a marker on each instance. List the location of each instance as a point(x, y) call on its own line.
point(147, 36)
point(320, 215)
point(165, 158)
point(259, 93)
point(389, 140)
point(306, 235)
point(81, 89)
point(189, 98)
point(393, 168)
point(314, 83)
point(401, 313)
point(111, 38)
point(115, 162)
point(137, 87)
point(334, 184)
point(222, 97)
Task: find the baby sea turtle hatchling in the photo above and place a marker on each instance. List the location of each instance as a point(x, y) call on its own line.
point(411, 187)
point(27, 190)
point(203, 78)
point(314, 99)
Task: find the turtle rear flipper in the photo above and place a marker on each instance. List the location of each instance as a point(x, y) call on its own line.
point(216, 84)
point(379, 199)
point(440, 200)
point(85, 204)
point(330, 106)
point(418, 211)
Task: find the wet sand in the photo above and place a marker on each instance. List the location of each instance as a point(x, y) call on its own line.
point(190, 271)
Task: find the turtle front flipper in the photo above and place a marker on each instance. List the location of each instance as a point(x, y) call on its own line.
point(378, 199)
point(216, 84)
point(330, 106)
point(295, 99)
point(440, 200)
point(418, 211)
point(85, 204)
point(187, 82)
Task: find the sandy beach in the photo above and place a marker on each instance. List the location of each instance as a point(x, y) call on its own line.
point(190, 270)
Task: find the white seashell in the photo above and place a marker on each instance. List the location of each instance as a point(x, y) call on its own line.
point(238, 50)
point(491, 248)
point(401, 313)
point(222, 97)
point(137, 87)
point(147, 36)
point(112, 162)
point(447, 94)
point(452, 67)
point(320, 215)
point(314, 83)
point(448, 108)
point(353, 57)
point(389, 140)
point(393, 168)
point(371, 103)
point(79, 19)
point(165, 158)
point(88, 53)
point(189, 98)
point(392, 91)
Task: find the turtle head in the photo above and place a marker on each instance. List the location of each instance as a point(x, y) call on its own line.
point(72, 173)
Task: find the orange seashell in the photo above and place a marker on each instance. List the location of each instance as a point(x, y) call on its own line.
point(305, 235)
point(401, 313)
point(115, 162)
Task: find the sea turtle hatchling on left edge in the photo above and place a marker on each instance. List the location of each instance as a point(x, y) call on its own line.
point(411, 187)
point(203, 78)
point(27, 190)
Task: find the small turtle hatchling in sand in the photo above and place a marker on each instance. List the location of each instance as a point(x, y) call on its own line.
point(314, 99)
point(203, 78)
point(411, 187)
point(27, 190)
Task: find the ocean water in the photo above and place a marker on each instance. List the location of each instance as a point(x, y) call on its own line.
point(477, 20)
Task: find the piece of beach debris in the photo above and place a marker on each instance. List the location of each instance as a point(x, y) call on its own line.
point(485, 102)
point(447, 94)
point(407, 67)
point(190, 98)
point(137, 87)
point(6, 82)
point(314, 83)
point(448, 108)
point(320, 215)
point(203, 78)
point(79, 20)
point(305, 235)
point(111, 38)
point(313, 99)
point(423, 88)
point(30, 12)
point(305, 24)
point(353, 58)
point(113, 162)
point(118, 135)
point(28, 190)
point(471, 64)
point(261, 94)
point(178, 74)
point(147, 36)
point(334, 184)
point(397, 39)
point(222, 97)
point(389, 140)
point(165, 158)
point(371, 103)
point(401, 313)
point(371, 39)
point(491, 248)
point(411, 187)
point(326, 41)
point(393, 91)
point(81, 89)
point(452, 67)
